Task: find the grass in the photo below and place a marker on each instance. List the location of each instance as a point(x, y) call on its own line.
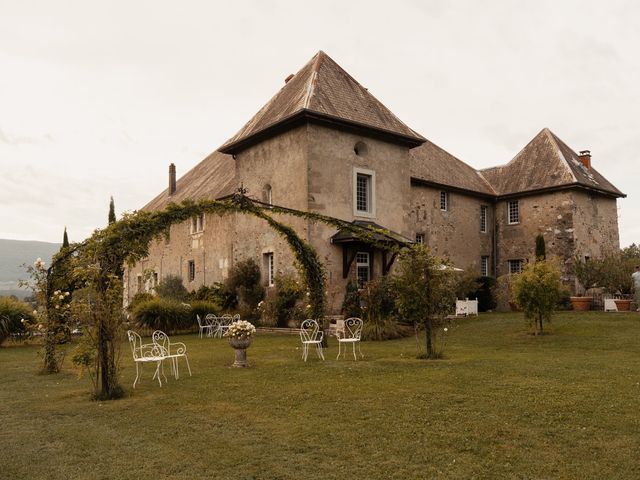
point(501, 404)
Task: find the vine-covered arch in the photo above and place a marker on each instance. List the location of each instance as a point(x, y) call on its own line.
point(126, 241)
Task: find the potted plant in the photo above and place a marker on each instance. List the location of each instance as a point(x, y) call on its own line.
point(588, 273)
point(240, 335)
point(616, 278)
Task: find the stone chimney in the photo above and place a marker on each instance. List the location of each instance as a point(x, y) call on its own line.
point(585, 158)
point(172, 179)
point(289, 77)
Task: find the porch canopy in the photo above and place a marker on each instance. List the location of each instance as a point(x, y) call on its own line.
point(384, 240)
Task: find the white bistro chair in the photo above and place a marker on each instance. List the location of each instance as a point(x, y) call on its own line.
point(204, 326)
point(174, 350)
point(146, 353)
point(311, 335)
point(214, 324)
point(350, 335)
point(224, 322)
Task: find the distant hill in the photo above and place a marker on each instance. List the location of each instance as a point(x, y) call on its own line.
point(13, 255)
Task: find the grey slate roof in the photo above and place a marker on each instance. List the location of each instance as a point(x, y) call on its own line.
point(212, 178)
point(323, 91)
point(432, 164)
point(546, 162)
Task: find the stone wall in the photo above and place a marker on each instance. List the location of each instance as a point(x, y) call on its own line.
point(332, 159)
point(595, 224)
point(454, 233)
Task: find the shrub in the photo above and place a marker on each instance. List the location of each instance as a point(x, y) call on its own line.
point(139, 298)
point(162, 314)
point(172, 288)
point(482, 288)
point(244, 280)
point(537, 291)
point(12, 312)
point(379, 312)
point(351, 306)
point(202, 308)
point(217, 293)
point(283, 306)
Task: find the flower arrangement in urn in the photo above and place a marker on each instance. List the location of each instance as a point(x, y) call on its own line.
point(240, 335)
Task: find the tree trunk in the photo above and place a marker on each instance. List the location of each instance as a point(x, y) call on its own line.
point(428, 333)
point(540, 322)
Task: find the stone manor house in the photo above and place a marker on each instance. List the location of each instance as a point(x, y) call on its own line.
point(323, 143)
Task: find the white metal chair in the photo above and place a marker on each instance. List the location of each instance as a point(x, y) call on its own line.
point(174, 350)
point(310, 334)
point(146, 353)
point(225, 322)
point(205, 327)
point(351, 335)
point(214, 324)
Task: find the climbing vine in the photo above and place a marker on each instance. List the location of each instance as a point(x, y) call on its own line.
point(101, 259)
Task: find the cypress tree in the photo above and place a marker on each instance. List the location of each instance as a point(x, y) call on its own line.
point(112, 212)
point(541, 253)
point(65, 239)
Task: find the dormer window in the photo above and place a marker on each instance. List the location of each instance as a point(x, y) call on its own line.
point(197, 223)
point(364, 192)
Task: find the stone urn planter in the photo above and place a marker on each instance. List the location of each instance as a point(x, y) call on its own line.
point(581, 304)
point(240, 345)
point(623, 305)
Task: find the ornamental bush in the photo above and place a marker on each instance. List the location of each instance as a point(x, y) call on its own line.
point(202, 308)
point(12, 312)
point(162, 314)
point(172, 288)
point(537, 291)
point(284, 305)
point(379, 311)
point(217, 293)
point(244, 281)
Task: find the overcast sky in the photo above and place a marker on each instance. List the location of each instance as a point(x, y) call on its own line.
point(97, 98)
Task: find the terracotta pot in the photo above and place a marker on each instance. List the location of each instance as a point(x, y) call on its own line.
point(623, 305)
point(581, 304)
point(240, 345)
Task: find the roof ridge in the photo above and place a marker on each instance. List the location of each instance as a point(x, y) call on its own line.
point(313, 80)
point(559, 154)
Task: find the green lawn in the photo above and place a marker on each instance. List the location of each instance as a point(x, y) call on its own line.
point(502, 404)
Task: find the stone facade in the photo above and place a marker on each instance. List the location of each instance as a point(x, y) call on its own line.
point(308, 148)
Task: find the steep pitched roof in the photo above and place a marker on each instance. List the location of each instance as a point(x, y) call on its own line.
point(212, 178)
point(324, 93)
point(546, 162)
point(431, 164)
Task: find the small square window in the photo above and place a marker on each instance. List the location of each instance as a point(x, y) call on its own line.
point(515, 266)
point(444, 201)
point(484, 266)
point(513, 212)
point(420, 238)
point(483, 218)
point(269, 268)
point(197, 223)
point(192, 270)
point(364, 189)
point(363, 268)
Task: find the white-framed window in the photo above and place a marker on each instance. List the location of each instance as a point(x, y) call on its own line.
point(192, 270)
point(267, 194)
point(515, 266)
point(484, 266)
point(269, 268)
point(444, 201)
point(364, 190)
point(197, 223)
point(363, 268)
point(155, 280)
point(483, 218)
point(420, 238)
point(513, 212)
